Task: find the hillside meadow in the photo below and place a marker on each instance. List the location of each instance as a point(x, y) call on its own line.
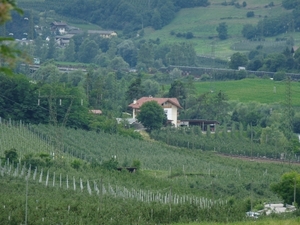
point(247, 90)
point(203, 21)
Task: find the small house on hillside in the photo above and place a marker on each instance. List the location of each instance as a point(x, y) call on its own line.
point(59, 27)
point(170, 106)
point(63, 40)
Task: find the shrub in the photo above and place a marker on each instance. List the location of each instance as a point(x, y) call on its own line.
point(76, 164)
point(279, 76)
point(179, 35)
point(11, 154)
point(250, 14)
point(137, 164)
point(205, 77)
point(111, 164)
point(189, 35)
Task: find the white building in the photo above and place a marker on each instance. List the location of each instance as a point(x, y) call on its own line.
point(170, 106)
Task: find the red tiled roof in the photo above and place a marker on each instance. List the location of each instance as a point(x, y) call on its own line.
point(160, 101)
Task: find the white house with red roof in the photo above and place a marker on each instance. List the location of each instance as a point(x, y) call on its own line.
point(170, 106)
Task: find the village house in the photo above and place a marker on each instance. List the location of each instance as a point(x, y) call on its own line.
point(63, 40)
point(59, 27)
point(170, 106)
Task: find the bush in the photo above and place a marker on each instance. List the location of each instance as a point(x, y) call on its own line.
point(111, 164)
point(205, 77)
point(76, 164)
point(11, 154)
point(189, 35)
point(179, 35)
point(137, 164)
point(250, 14)
point(279, 76)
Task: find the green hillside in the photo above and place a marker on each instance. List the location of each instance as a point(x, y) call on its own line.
point(71, 166)
point(203, 22)
point(59, 191)
point(259, 90)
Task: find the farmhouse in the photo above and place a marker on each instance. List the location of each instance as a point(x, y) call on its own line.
point(58, 26)
point(63, 40)
point(170, 106)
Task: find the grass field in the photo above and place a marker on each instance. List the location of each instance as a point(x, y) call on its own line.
point(203, 21)
point(247, 90)
point(256, 222)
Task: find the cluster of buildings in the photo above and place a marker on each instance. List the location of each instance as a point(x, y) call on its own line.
point(63, 32)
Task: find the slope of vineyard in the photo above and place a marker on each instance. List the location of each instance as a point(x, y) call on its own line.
point(187, 180)
point(16, 135)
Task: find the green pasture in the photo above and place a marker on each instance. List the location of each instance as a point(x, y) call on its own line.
point(247, 90)
point(256, 222)
point(203, 21)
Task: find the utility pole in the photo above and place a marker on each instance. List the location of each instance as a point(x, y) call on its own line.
point(26, 201)
point(213, 66)
point(53, 101)
point(289, 109)
point(294, 203)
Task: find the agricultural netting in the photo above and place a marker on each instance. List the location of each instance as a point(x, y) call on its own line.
point(230, 143)
point(49, 197)
point(166, 172)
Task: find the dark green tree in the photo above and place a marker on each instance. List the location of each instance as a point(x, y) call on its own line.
point(296, 124)
point(222, 31)
point(249, 31)
point(150, 87)
point(135, 90)
point(87, 51)
point(69, 52)
point(51, 49)
point(151, 115)
point(11, 154)
point(156, 21)
point(287, 186)
point(181, 54)
point(238, 59)
point(18, 99)
point(290, 4)
point(178, 91)
point(112, 49)
point(118, 63)
point(146, 55)
point(275, 62)
point(128, 51)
